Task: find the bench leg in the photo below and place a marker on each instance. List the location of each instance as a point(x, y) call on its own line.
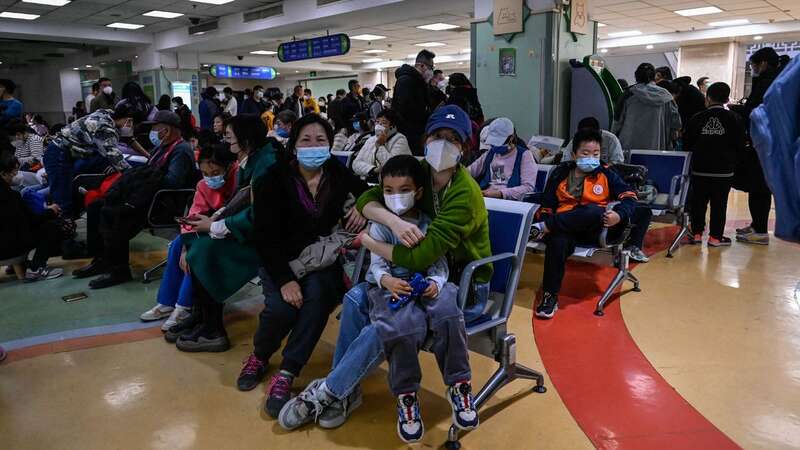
point(622, 258)
point(684, 223)
point(148, 274)
point(633, 279)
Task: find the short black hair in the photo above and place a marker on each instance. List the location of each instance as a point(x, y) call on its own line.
point(8, 162)
point(299, 86)
point(17, 126)
point(425, 57)
point(124, 110)
point(218, 153)
point(257, 87)
point(95, 86)
point(102, 79)
point(9, 85)
point(701, 81)
point(645, 73)
point(304, 121)
point(582, 136)
point(227, 90)
point(351, 84)
point(404, 166)
point(671, 86)
point(307, 91)
point(390, 115)
point(767, 54)
point(665, 72)
point(437, 72)
point(341, 92)
point(287, 116)
point(250, 131)
point(719, 92)
point(589, 123)
point(177, 100)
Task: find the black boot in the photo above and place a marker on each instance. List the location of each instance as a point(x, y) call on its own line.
point(112, 278)
point(204, 339)
point(185, 326)
point(97, 267)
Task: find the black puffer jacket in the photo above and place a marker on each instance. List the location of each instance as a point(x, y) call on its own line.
point(411, 102)
point(18, 224)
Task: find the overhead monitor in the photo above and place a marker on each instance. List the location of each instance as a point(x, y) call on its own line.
point(318, 47)
point(242, 72)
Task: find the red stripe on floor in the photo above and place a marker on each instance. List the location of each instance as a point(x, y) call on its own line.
point(615, 395)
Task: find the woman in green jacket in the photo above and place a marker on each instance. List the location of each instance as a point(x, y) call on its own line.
point(220, 255)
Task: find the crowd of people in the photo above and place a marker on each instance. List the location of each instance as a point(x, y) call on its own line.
point(271, 202)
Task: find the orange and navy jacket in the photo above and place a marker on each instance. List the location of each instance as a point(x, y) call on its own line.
point(599, 188)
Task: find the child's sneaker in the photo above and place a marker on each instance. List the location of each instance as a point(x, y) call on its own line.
point(637, 254)
point(537, 231)
point(465, 415)
point(721, 242)
point(44, 273)
point(278, 393)
point(306, 407)
point(157, 312)
point(548, 307)
point(179, 314)
point(754, 238)
point(252, 373)
point(409, 423)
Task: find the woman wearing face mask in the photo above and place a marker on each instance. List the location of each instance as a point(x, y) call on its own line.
point(386, 142)
point(220, 254)
point(507, 170)
point(219, 167)
point(459, 229)
point(302, 199)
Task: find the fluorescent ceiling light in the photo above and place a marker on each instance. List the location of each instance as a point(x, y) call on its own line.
point(412, 55)
point(23, 16)
point(372, 60)
point(76, 68)
point(466, 50)
point(162, 14)
point(374, 51)
point(758, 38)
point(601, 25)
point(698, 11)
point(367, 37)
point(430, 44)
point(212, 2)
point(48, 2)
point(438, 26)
point(603, 50)
point(729, 23)
point(649, 47)
point(88, 66)
point(625, 33)
point(125, 26)
point(263, 52)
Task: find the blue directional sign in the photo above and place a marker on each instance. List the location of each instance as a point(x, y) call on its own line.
point(319, 47)
point(242, 72)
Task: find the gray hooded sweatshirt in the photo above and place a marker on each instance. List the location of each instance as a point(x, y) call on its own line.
point(646, 118)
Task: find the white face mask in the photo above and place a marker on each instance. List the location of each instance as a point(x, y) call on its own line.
point(380, 129)
point(442, 154)
point(442, 85)
point(427, 75)
point(108, 90)
point(399, 203)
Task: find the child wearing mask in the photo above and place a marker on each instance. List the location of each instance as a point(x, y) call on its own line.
point(507, 170)
point(573, 212)
point(403, 331)
point(174, 300)
point(283, 126)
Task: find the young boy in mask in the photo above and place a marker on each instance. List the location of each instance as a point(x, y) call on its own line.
point(573, 212)
point(403, 330)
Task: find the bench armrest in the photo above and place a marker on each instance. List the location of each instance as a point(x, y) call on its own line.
point(182, 196)
point(602, 240)
point(676, 187)
point(466, 275)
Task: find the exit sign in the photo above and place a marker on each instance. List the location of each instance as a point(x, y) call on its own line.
point(312, 74)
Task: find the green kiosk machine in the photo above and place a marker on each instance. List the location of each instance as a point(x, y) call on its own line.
point(594, 92)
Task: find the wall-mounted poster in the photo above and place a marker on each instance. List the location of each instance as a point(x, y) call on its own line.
point(508, 62)
point(579, 17)
point(507, 16)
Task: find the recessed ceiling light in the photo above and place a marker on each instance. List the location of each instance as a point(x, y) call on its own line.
point(263, 52)
point(22, 16)
point(729, 23)
point(88, 66)
point(758, 38)
point(601, 25)
point(698, 11)
point(603, 50)
point(119, 60)
point(125, 26)
point(430, 44)
point(199, 33)
point(162, 14)
point(374, 51)
point(367, 37)
point(649, 47)
point(625, 33)
point(296, 71)
point(371, 60)
point(212, 2)
point(438, 26)
point(48, 2)
point(76, 68)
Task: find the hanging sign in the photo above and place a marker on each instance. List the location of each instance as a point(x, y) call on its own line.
point(242, 72)
point(318, 47)
point(579, 17)
point(507, 17)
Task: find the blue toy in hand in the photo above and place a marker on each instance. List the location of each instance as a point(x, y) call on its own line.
point(418, 286)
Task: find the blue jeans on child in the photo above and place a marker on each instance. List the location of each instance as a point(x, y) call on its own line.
point(176, 285)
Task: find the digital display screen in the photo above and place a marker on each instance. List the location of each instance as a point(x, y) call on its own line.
point(242, 72)
point(319, 47)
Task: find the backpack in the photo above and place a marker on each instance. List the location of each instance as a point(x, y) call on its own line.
point(356, 147)
point(635, 176)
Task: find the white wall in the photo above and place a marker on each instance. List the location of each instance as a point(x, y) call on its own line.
point(39, 90)
point(70, 89)
point(625, 66)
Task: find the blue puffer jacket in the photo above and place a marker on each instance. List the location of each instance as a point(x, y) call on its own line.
point(775, 130)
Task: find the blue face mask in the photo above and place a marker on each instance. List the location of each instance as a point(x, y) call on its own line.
point(313, 157)
point(282, 132)
point(357, 126)
point(215, 182)
point(500, 149)
point(154, 138)
point(588, 164)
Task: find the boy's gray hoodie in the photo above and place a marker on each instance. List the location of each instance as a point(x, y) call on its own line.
point(646, 118)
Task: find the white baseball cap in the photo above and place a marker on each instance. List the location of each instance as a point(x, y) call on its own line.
point(499, 131)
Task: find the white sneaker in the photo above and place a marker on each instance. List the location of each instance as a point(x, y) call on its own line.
point(179, 314)
point(157, 312)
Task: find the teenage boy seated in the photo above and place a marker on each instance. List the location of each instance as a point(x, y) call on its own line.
point(403, 330)
point(573, 212)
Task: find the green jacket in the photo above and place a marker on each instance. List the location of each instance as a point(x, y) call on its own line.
point(460, 229)
point(225, 265)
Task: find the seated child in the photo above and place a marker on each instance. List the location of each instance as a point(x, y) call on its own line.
point(403, 331)
point(219, 168)
point(573, 212)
